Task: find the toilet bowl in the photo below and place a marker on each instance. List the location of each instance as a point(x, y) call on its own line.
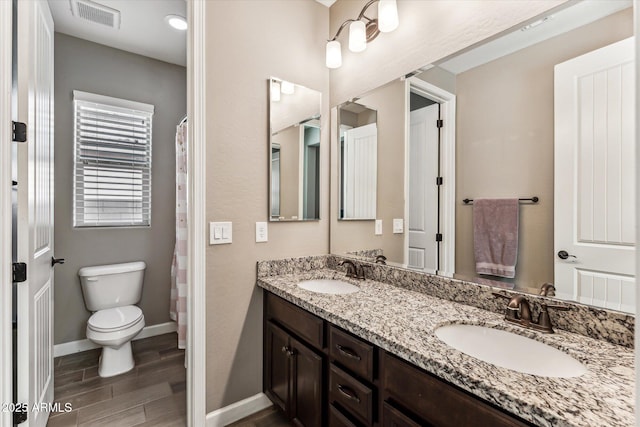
point(110, 292)
point(113, 329)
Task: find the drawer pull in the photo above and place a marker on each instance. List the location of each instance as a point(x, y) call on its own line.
point(348, 393)
point(348, 352)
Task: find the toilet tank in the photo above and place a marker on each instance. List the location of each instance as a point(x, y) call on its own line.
point(112, 285)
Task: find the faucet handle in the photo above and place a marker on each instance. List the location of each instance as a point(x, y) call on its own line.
point(544, 321)
point(496, 294)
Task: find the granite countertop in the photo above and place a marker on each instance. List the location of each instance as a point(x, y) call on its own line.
point(403, 322)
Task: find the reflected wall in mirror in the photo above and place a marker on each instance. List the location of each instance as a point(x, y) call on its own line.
point(504, 148)
point(354, 236)
point(294, 147)
point(358, 161)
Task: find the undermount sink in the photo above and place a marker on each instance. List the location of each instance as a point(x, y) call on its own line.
point(511, 351)
point(329, 286)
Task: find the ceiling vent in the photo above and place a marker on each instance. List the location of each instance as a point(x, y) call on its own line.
point(95, 12)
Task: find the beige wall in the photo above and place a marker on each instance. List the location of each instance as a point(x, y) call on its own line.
point(346, 236)
point(429, 31)
point(248, 41)
point(505, 141)
point(90, 67)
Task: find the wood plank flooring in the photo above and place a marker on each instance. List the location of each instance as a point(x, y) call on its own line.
point(152, 394)
point(270, 417)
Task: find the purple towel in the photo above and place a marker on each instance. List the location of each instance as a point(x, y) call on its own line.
point(495, 236)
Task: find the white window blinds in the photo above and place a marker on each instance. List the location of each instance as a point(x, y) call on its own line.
point(112, 177)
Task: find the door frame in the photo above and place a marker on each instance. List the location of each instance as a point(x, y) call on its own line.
point(6, 350)
point(447, 103)
point(196, 101)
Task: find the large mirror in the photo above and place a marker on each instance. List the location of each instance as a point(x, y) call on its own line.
point(504, 136)
point(358, 161)
point(294, 147)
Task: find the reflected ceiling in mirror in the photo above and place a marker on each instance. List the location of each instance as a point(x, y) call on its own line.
point(294, 151)
point(504, 148)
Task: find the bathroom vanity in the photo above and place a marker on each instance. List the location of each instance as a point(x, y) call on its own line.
point(372, 358)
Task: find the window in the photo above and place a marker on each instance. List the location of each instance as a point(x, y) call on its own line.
point(112, 177)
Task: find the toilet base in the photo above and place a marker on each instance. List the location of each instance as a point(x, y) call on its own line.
point(116, 361)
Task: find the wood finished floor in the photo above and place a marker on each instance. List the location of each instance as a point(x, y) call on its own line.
point(152, 394)
point(270, 417)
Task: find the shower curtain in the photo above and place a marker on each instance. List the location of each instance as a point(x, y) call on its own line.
point(178, 307)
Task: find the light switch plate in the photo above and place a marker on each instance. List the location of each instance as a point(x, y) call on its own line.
point(378, 231)
point(220, 233)
point(398, 226)
point(262, 233)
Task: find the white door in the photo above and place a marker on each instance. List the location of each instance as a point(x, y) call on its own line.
point(360, 172)
point(423, 191)
point(594, 177)
point(35, 209)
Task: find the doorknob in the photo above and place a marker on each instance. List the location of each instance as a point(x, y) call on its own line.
point(565, 255)
point(55, 261)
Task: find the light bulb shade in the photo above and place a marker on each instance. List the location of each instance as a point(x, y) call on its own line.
point(387, 15)
point(357, 36)
point(275, 91)
point(334, 54)
point(287, 87)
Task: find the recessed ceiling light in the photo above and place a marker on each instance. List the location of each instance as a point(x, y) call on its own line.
point(176, 21)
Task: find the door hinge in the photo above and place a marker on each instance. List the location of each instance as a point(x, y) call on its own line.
point(439, 237)
point(19, 415)
point(439, 123)
point(18, 131)
point(439, 180)
point(19, 272)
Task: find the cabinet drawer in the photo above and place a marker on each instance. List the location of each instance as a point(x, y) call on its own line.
point(391, 417)
point(436, 401)
point(350, 394)
point(297, 320)
point(351, 352)
point(338, 419)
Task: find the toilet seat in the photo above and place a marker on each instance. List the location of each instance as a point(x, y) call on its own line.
point(115, 319)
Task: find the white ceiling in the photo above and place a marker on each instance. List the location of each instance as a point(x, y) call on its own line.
point(143, 29)
point(327, 3)
point(577, 15)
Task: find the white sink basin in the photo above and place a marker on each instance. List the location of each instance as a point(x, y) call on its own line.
point(328, 286)
point(511, 351)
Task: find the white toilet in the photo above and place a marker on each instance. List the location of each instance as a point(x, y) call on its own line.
point(110, 292)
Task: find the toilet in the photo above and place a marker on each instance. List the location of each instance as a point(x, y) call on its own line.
point(110, 292)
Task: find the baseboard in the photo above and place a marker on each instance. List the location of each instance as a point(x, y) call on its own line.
point(237, 411)
point(72, 347)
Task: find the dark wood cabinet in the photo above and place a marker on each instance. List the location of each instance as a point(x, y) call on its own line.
point(433, 401)
point(351, 382)
point(293, 377)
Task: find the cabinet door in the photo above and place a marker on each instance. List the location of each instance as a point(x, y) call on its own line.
point(307, 392)
point(278, 368)
point(391, 417)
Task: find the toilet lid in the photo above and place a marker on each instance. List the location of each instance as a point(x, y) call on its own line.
point(114, 318)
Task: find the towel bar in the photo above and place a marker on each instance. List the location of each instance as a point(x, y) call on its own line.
point(533, 199)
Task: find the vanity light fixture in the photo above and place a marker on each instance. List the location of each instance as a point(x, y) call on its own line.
point(363, 30)
point(176, 21)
